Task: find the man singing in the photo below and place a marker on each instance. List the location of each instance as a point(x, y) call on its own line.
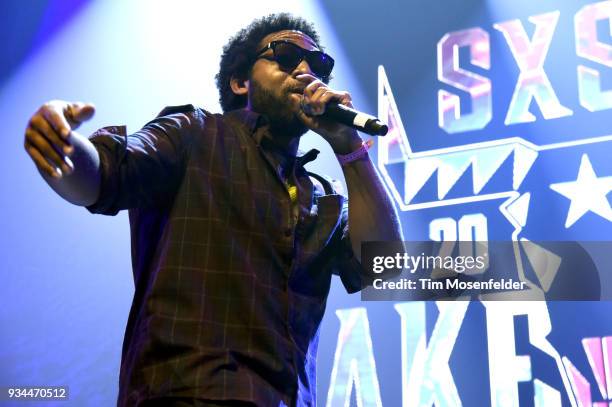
point(233, 241)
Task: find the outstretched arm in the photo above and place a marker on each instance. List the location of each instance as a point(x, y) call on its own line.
point(67, 160)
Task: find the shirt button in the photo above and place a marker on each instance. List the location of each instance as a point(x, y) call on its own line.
point(288, 232)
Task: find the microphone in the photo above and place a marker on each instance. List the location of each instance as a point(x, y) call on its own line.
point(356, 119)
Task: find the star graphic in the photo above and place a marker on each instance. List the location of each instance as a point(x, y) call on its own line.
point(587, 193)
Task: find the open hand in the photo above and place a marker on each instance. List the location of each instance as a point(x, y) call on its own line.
point(47, 137)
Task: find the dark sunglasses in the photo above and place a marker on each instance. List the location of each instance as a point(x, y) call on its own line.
point(289, 55)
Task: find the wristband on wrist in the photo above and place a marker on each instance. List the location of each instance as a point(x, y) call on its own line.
point(355, 155)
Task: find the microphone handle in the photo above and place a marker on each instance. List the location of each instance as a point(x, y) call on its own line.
point(353, 118)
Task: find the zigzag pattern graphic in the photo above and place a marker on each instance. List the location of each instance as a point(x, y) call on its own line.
point(450, 165)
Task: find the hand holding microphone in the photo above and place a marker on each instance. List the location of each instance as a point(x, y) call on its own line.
point(335, 106)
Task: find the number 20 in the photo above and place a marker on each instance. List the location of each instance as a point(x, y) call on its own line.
point(469, 228)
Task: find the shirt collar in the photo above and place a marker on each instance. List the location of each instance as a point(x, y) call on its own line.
point(253, 121)
point(247, 118)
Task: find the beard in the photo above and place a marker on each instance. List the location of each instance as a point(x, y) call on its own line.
point(276, 107)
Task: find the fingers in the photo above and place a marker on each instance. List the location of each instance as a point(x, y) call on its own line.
point(80, 112)
point(317, 95)
point(41, 162)
point(323, 96)
point(43, 127)
point(47, 137)
point(312, 87)
point(316, 102)
point(306, 78)
point(52, 112)
point(48, 158)
point(344, 98)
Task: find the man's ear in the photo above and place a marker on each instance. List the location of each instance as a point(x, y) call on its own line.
point(239, 86)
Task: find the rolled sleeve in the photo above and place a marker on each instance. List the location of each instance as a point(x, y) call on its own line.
point(143, 169)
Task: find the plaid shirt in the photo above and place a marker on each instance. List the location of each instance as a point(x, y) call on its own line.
point(231, 277)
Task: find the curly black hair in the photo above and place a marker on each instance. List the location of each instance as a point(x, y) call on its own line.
point(240, 52)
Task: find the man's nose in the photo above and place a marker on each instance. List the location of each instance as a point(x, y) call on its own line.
point(303, 68)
